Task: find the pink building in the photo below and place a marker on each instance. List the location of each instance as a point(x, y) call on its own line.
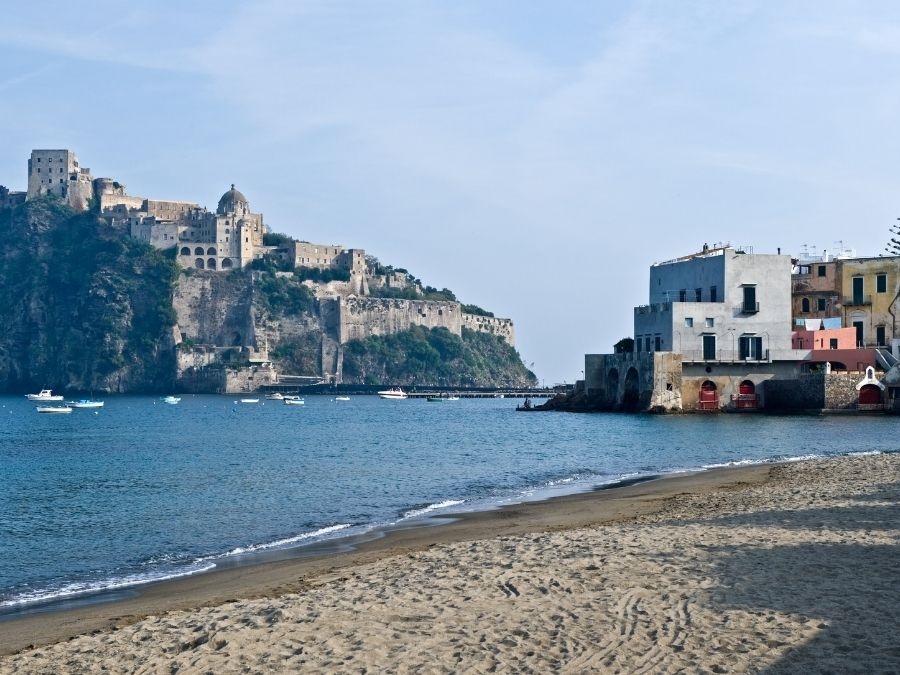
point(829, 338)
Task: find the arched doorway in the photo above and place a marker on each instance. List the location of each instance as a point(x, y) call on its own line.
point(185, 250)
point(747, 398)
point(612, 387)
point(226, 263)
point(199, 264)
point(631, 398)
point(870, 394)
point(211, 264)
point(709, 396)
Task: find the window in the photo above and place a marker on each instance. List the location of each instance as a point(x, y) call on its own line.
point(881, 283)
point(657, 343)
point(709, 347)
point(879, 336)
point(689, 322)
point(821, 271)
point(39, 169)
point(750, 347)
point(712, 294)
point(750, 306)
point(832, 343)
point(710, 322)
point(820, 304)
point(682, 295)
point(804, 305)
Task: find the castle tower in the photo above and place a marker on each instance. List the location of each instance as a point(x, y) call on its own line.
point(57, 172)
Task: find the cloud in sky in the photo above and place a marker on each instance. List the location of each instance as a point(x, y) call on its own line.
point(535, 159)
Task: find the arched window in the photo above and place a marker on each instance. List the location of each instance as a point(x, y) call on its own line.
point(198, 250)
point(211, 264)
point(198, 263)
point(226, 263)
point(804, 305)
point(185, 251)
point(210, 251)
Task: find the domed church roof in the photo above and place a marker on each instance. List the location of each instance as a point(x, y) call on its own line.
point(229, 201)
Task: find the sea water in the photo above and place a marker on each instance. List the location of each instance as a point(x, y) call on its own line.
point(140, 491)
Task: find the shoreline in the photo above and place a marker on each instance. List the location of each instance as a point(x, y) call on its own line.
point(294, 570)
point(778, 568)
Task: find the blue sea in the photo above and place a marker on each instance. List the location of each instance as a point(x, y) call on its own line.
point(140, 491)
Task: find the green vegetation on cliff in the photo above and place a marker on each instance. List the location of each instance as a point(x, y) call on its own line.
point(435, 357)
point(82, 307)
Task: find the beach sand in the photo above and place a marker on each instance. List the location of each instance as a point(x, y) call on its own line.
point(777, 568)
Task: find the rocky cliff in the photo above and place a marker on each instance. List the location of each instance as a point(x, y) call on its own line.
point(83, 308)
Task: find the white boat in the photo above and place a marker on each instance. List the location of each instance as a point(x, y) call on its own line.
point(85, 403)
point(249, 400)
point(453, 398)
point(45, 395)
point(277, 396)
point(171, 400)
point(53, 409)
point(293, 400)
point(393, 394)
point(341, 398)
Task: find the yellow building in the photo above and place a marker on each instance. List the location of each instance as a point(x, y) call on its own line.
point(869, 291)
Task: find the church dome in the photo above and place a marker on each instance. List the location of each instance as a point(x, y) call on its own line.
point(230, 201)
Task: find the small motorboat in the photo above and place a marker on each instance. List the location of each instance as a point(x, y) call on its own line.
point(85, 403)
point(436, 399)
point(53, 409)
point(341, 398)
point(44, 395)
point(249, 400)
point(453, 398)
point(393, 394)
point(171, 400)
point(293, 400)
point(277, 396)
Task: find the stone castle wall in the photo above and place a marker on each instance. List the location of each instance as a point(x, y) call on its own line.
point(490, 324)
point(214, 309)
point(364, 317)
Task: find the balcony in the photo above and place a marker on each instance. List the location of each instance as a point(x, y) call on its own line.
point(722, 356)
point(858, 301)
point(750, 308)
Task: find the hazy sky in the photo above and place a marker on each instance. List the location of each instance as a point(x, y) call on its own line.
point(534, 157)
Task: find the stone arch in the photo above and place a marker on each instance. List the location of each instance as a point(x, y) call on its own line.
point(631, 396)
point(804, 305)
point(746, 387)
point(198, 250)
point(211, 251)
point(612, 387)
point(709, 396)
point(211, 264)
point(227, 264)
point(185, 250)
point(199, 264)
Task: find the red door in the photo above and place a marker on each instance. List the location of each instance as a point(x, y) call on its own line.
point(870, 395)
point(709, 398)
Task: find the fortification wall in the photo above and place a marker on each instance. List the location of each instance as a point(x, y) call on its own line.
point(215, 309)
point(490, 324)
point(250, 379)
point(362, 317)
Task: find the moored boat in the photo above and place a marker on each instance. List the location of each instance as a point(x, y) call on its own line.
point(171, 400)
point(293, 400)
point(393, 394)
point(44, 395)
point(341, 398)
point(53, 409)
point(249, 400)
point(277, 396)
point(85, 403)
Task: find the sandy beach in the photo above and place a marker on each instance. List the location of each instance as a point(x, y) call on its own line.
point(774, 568)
